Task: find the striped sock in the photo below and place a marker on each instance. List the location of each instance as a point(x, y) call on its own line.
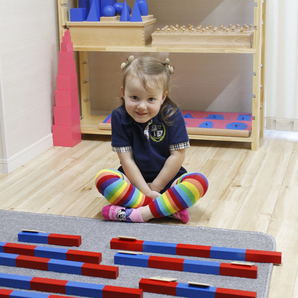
point(189, 189)
point(111, 184)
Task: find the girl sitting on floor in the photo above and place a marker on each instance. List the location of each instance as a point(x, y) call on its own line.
point(150, 138)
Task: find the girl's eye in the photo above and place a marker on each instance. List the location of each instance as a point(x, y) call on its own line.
point(134, 97)
point(151, 99)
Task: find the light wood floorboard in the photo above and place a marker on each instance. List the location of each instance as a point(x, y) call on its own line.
point(248, 190)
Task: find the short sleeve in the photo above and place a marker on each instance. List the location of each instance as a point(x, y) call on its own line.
point(120, 139)
point(178, 137)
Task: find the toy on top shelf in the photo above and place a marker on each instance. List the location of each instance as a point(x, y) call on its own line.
point(210, 36)
point(106, 10)
point(104, 3)
point(94, 13)
point(88, 10)
point(109, 11)
point(143, 6)
point(136, 14)
point(119, 6)
point(78, 14)
point(125, 16)
point(104, 28)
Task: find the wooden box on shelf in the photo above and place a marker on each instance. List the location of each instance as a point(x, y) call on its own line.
point(111, 33)
point(211, 37)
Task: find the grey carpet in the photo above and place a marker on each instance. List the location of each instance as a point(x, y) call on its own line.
point(96, 236)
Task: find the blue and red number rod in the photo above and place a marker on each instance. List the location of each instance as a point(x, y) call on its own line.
point(190, 290)
point(186, 265)
point(7, 293)
point(51, 252)
point(67, 287)
point(202, 251)
point(49, 238)
point(63, 266)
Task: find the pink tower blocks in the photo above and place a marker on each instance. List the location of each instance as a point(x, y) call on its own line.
point(67, 127)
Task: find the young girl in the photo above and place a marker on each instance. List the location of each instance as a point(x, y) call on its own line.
point(150, 138)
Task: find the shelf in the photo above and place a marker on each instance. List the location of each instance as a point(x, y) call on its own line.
point(136, 37)
point(90, 126)
point(110, 35)
point(164, 49)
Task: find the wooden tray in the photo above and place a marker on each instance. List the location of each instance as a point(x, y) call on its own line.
point(240, 38)
point(111, 33)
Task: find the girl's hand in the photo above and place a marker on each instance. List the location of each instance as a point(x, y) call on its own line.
point(151, 186)
point(153, 194)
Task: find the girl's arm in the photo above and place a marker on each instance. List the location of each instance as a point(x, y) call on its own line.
point(169, 170)
point(133, 173)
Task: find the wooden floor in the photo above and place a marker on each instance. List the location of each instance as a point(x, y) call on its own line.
point(254, 191)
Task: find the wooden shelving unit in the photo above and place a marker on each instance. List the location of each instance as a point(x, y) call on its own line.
point(89, 123)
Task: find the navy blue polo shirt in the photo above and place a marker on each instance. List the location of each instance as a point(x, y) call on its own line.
point(151, 147)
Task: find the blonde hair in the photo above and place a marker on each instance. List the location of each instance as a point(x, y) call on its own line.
point(151, 73)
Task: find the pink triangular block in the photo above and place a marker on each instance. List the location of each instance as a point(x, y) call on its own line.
point(66, 47)
point(66, 44)
point(66, 136)
point(67, 128)
point(66, 37)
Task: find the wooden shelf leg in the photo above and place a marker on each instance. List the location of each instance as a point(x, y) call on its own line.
point(256, 104)
point(62, 17)
point(84, 84)
point(263, 91)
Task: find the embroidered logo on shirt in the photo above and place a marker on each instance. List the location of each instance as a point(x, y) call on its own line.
point(158, 132)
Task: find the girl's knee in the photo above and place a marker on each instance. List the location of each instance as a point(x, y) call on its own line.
point(99, 175)
point(197, 179)
point(109, 173)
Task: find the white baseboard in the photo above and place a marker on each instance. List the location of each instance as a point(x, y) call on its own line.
point(281, 124)
point(19, 159)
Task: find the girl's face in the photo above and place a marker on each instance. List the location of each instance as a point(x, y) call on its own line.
point(141, 104)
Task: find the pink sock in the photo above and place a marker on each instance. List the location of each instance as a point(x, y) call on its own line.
point(181, 215)
point(118, 213)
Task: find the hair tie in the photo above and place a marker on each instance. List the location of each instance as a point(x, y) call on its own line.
point(129, 60)
point(167, 64)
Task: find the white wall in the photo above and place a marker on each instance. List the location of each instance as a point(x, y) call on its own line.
point(1, 125)
point(28, 67)
point(281, 65)
point(2, 139)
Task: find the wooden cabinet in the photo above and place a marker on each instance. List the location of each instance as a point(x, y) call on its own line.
point(171, 12)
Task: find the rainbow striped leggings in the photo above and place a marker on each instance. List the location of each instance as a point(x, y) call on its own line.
point(189, 188)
